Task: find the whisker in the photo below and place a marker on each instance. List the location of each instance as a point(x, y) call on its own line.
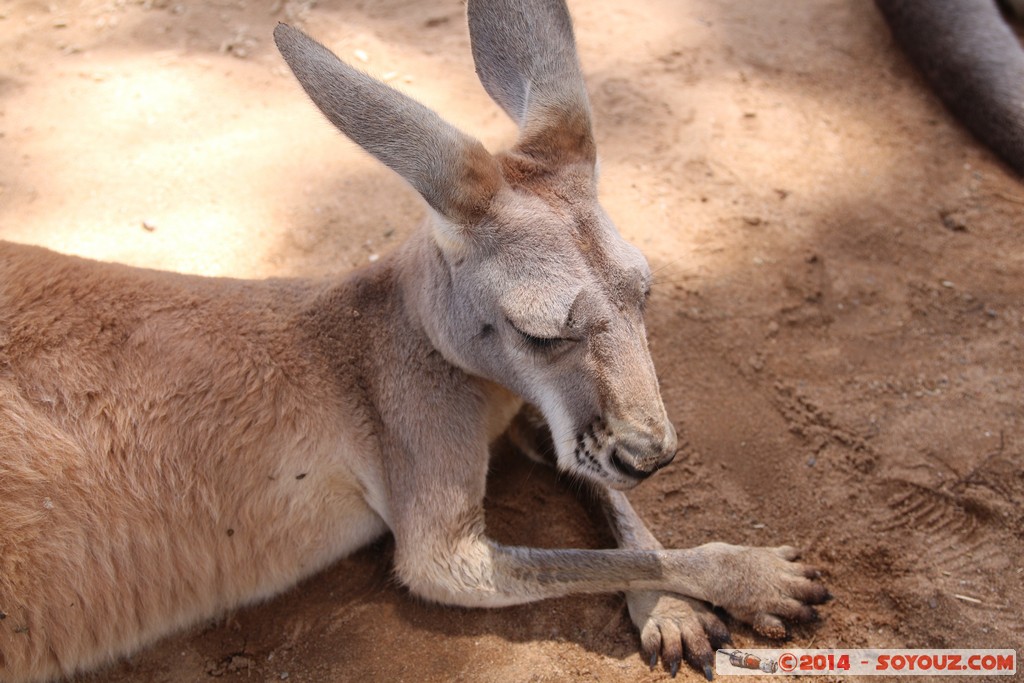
point(666, 265)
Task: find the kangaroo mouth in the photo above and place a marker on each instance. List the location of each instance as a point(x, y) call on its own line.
point(625, 468)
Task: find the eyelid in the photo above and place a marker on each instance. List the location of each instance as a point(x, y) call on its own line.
point(543, 343)
point(540, 343)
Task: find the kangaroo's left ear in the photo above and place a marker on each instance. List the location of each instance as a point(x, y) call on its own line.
point(525, 55)
point(450, 169)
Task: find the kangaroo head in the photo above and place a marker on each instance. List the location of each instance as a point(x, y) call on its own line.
point(530, 285)
point(548, 300)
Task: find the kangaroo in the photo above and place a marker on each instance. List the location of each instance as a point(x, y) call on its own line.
point(972, 60)
point(173, 446)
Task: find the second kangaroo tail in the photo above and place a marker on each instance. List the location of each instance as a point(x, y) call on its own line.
point(972, 60)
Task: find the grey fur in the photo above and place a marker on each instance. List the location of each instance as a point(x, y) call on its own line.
point(525, 55)
point(974, 63)
point(400, 132)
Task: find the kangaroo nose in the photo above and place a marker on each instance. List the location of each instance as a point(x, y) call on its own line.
point(641, 455)
point(669, 444)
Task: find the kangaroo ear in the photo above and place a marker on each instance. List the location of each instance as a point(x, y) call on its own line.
point(450, 169)
point(525, 55)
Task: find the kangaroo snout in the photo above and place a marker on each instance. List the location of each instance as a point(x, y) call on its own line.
point(640, 453)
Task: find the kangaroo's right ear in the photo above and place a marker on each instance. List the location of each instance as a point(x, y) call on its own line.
point(525, 55)
point(450, 169)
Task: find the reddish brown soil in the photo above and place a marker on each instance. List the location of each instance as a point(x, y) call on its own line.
point(837, 323)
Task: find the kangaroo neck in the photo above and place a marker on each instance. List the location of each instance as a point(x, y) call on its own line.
point(431, 307)
point(424, 284)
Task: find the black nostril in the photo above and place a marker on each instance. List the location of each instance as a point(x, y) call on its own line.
point(628, 469)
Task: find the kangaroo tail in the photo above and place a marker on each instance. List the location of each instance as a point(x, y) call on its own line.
point(974, 63)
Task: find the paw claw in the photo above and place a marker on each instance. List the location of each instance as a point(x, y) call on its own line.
point(707, 672)
point(702, 661)
point(675, 628)
point(812, 593)
point(788, 552)
point(776, 588)
point(716, 631)
point(803, 615)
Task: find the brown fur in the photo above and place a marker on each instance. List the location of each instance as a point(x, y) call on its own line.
point(135, 442)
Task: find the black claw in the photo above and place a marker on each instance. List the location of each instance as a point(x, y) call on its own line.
point(703, 662)
point(707, 672)
point(817, 595)
point(654, 660)
point(718, 640)
point(674, 668)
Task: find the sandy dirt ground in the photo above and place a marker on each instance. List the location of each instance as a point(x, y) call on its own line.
point(837, 321)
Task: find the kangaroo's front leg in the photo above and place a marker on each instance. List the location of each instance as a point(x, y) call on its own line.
point(436, 500)
point(445, 556)
point(671, 625)
point(674, 626)
point(677, 626)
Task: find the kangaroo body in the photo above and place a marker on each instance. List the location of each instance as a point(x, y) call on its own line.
point(188, 445)
point(173, 446)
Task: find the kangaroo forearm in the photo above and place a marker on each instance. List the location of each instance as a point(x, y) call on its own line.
point(534, 573)
point(626, 525)
point(483, 573)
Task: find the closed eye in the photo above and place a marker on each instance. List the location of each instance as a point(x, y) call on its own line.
point(539, 343)
point(542, 343)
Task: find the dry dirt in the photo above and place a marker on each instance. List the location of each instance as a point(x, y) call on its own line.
point(837, 322)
